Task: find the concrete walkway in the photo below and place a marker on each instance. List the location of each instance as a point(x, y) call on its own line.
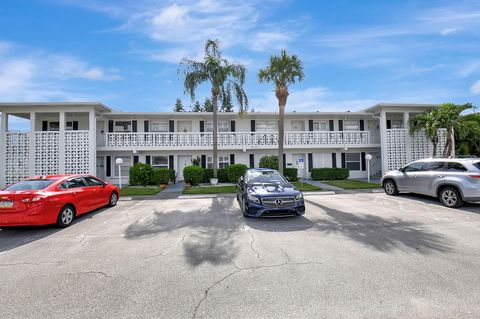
point(322, 185)
point(174, 188)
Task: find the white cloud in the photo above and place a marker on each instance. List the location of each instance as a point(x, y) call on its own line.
point(27, 75)
point(475, 88)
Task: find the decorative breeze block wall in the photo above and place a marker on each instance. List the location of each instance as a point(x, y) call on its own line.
point(77, 152)
point(396, 148)
point(17, 156)
point(46, 153)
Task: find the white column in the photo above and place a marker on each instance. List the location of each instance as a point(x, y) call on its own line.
point(383, 139)
point(61, 143)
point(408, 138)
point(3, 148)
point(32, 160)
point(93, 146)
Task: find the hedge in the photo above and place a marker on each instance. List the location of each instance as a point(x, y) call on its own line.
point(160, 176)
point(193, 174)
point(234, 172)
point(140, 174)
point(321, 174)
point(221, 173)
point(291, 173)
point(173, 175)
point(268, 161)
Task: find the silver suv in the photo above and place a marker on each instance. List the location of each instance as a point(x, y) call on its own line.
point(452, 180)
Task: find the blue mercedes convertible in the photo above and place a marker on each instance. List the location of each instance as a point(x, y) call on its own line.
point(263, 192)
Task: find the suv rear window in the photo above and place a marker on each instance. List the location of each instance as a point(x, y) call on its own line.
point(477, 165)
point(434, 166)
point(31, 185)
point(456, 167)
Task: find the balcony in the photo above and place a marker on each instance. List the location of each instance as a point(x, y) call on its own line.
point(235, 140)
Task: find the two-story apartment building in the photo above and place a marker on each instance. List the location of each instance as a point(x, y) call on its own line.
point(89, 137)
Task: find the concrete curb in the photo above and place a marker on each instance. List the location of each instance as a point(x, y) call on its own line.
point(319, 193)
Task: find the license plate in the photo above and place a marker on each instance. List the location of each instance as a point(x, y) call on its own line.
point(6, 204)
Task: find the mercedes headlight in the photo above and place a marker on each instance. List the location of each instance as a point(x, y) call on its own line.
point(299, 197)
point(253, 199)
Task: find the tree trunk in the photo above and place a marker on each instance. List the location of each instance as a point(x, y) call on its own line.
point(282, 94)
point(215, 93)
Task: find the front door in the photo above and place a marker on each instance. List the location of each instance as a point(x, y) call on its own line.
point(183, 160)
point(184, 126)
point(298, 161)
point(101, 167)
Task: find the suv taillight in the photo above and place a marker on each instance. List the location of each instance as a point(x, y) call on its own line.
point(474, 176)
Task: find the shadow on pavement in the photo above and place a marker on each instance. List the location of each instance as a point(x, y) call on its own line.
point(215, 227)
point(13, 237)
point(380, 233)
point(471, 207)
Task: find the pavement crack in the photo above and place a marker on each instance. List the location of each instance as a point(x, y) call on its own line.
point(33, 264)
point(92, 273)
point(253, 248)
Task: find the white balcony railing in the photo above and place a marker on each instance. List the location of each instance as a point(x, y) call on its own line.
point(238, 140)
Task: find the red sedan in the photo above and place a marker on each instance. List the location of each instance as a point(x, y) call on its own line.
point(54, 199)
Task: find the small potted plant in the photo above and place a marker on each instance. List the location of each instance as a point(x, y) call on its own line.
point(192, 175)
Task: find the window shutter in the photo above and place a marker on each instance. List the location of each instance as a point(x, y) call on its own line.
point(148, 160)
point(389, 124)
point(334, 160)
point(110, 126)
point(331, 125)
point(310, 125)
point(171, 126)
point(362, 125)
point(146, 126)
point(108, 172)
point(362, 158)
point(44, 125)
point(232, 126)
point(203, 161)
point(202, 126)
point(310, 162)
point(252, 126)
point(252, 160)
point(134, 126)
point(232, 159)
point(343, 160)
point(170, 161)
point(284, 161)
point(75, 125)
point(340, 125)
point(135, 159)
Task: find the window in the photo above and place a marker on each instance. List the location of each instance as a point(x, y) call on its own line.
point(477, 165)
point(123, 126)
point(456, 167)
point(320, 126)
point(266, 126)
point(75, 182)
point(125, 167)
point(223, 161)
point(396, 123)
point(160, 161)
point(434, 166)
point(352, 161)
point(31, 185)
point(222, 126)
point(351, 125)
point(414, 167)
point(159, 127)
point(69, 126)
point(53, 126)
point(92, 181)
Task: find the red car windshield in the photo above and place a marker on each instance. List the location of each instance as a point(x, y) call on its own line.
point(31, 185)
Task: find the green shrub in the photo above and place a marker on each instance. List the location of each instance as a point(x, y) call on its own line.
point(222, 174)
point(140, 174)
point(160, 176)
point(193, 174)
point(322, 174)
point(268, 161)
point(291, 173)
point(173, 175)
point(234, 171)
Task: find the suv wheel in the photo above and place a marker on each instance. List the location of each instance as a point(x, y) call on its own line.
point(390, 188)
point(450, 197)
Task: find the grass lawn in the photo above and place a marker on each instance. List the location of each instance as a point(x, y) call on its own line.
point(131, 191)
point(305, 187)
point(352, 184)
point(210, 190)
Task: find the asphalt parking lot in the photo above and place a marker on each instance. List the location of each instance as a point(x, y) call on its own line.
point(350, 256)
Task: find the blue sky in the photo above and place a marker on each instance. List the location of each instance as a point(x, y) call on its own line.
point(126, 53)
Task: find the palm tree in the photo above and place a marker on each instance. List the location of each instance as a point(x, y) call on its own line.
point(447, 116)
point(428, 121)
point(224, 78)
point(283, 71)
